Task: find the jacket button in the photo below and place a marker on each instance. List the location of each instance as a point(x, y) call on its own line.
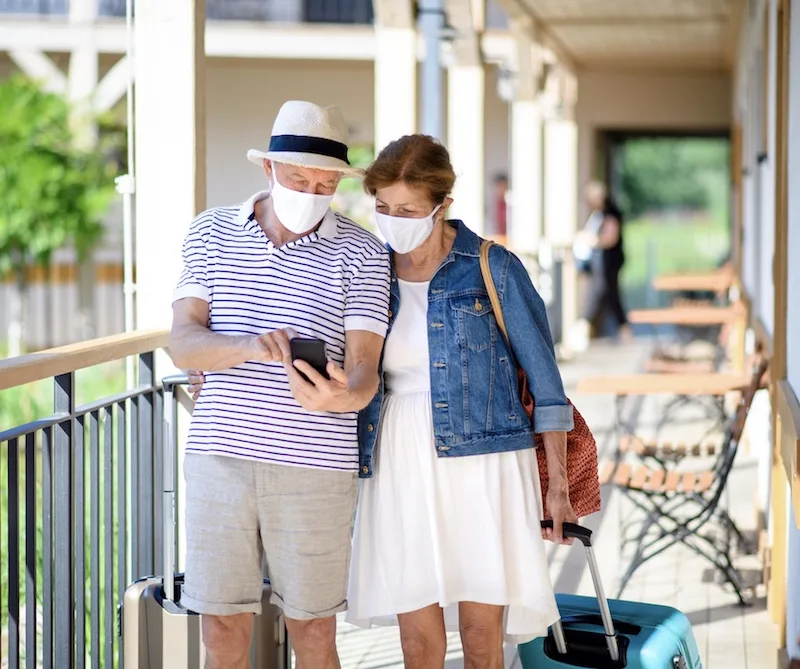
point(370, 428)
point(365, 469)
point(444, 448)
point(390, 313)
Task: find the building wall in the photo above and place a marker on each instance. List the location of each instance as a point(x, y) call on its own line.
point(243, 97)
point(793, 317)
point(628, 101)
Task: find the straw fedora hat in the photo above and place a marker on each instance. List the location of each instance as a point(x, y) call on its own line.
point(307, 135)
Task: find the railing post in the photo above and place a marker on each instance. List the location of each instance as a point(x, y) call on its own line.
point(145, 457)
point(63, 498)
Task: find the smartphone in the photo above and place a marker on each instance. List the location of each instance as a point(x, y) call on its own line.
point(311, 351)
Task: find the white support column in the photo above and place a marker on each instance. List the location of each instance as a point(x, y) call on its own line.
point(560, 181)
point(561, 205)
point(525, 215)
point(395, 83)
point(170, 146)
point(465, 141)
point(395, 71)
point(525, 224)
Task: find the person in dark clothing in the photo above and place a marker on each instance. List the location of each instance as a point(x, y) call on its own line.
point(603, 235)
point(500, 206)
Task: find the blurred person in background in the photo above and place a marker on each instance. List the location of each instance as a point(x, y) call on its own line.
point(599, 252)
point(500, 204)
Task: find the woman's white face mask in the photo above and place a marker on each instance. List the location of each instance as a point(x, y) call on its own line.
point(298, 212)
point(406, 234)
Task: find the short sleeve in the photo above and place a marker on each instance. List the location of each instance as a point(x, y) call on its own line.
point(193, 281)
point(367, 301)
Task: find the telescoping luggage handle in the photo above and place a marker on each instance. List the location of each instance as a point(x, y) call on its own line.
point(169, 384)
point(584, 535)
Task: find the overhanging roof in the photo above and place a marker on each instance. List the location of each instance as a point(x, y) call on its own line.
point(651, 35)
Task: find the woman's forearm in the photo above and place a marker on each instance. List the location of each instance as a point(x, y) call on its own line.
point(363, 384)
point(555, 448)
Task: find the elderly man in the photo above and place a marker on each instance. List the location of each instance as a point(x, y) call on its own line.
point(272, 454)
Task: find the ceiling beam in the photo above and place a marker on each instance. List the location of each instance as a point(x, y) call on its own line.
point(112, 87)
point(517, 10)
point(466, 45)
point(627, 21)
point(40, 68)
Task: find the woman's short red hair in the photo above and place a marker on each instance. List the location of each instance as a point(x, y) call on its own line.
point(420, 162)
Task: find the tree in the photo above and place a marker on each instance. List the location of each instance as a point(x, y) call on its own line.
point(52, 193)
point(669, 173)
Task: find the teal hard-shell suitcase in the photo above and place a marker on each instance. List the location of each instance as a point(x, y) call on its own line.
point(597, 633)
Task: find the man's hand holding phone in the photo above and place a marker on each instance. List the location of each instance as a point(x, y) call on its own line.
point(316, 383)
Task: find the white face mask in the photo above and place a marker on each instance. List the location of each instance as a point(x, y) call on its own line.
point(298, 212)
point(405, 234)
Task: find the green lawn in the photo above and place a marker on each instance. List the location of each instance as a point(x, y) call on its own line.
point(654, 247)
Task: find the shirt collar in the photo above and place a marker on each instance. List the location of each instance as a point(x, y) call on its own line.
point(328, 229)
point(466, 243)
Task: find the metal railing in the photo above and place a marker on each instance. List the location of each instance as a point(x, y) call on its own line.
point(290, 11)
point(80, 503)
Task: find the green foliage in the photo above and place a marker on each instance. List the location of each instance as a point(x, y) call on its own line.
point(361, 156)
point(51, 192)
point(664, 173)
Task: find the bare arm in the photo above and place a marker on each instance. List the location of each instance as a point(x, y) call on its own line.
point(193, 346)
point(349, 389)
point(555, 449)
point(609, 233)
point(361, 361)
point(558, 503)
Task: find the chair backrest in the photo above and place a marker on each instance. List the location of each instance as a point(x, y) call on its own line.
point(735, 428)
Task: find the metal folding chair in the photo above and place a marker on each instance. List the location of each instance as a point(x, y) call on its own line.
point(679, 506)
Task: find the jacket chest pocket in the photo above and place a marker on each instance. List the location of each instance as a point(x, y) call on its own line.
point(476, 324)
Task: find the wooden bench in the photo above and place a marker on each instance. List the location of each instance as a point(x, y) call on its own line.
point(691, 315)
point(708, 390)
point(717, 281)
point(665, 450)
point(660, 364)
point(709, 384)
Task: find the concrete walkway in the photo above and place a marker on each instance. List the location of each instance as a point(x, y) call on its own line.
point(729, 636)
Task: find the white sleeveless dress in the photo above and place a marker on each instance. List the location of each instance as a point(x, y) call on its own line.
point(433, 530)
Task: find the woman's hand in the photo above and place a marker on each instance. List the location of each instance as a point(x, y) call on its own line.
point(560, 510)
point(196, 381)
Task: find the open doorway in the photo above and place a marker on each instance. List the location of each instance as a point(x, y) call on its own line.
point(674, 192)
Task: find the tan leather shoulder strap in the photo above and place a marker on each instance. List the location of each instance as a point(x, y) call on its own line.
point(494, 298)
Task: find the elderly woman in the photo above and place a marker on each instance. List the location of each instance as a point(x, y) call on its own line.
point(447, 528)
point(447, 532)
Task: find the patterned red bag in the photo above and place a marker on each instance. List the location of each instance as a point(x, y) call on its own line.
point(582, 470)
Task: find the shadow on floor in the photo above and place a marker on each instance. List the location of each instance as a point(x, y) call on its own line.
point(726, 612)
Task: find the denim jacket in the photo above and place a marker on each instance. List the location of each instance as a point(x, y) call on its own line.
point(474, 395)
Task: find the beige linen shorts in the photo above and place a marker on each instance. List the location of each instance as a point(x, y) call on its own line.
point(239, 511)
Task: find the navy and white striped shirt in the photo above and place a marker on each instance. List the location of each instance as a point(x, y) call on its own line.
point(331, 281)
